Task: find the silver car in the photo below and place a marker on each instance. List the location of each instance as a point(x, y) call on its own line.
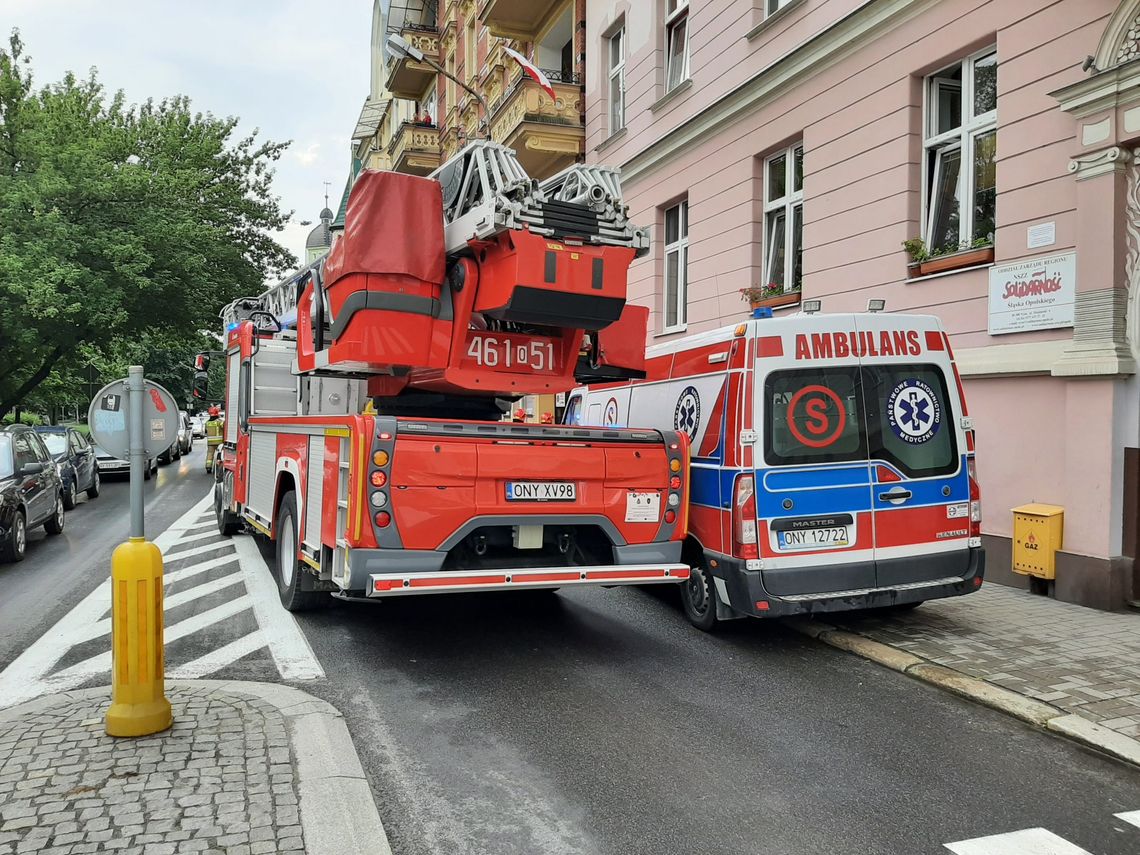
point(110, 465)
point(185, 432)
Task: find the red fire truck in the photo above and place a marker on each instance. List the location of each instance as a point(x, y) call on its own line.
point(365, 395)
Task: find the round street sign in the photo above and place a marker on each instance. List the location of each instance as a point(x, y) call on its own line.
point(109, 419)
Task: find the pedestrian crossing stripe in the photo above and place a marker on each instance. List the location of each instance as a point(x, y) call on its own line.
point(243, 576)
point(1028, 841)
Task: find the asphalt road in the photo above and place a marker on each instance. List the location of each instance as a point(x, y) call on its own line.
point(596, 721)
point(601, 722)
point(59, 571)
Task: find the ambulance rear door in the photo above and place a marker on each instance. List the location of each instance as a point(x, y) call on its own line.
point(813, 478)
point(917, 450)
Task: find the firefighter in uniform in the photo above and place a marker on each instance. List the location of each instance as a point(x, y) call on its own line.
point(213, 436)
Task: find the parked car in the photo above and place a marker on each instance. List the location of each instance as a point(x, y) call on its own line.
point(31, 491)
point(185, 432)
point(111, 465)
point(75, 457)
point(198, 420)
point(171, 454)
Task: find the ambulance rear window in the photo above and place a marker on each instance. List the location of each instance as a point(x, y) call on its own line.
point(813, 415)
point(909, 420)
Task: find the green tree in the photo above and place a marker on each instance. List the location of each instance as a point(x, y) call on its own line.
point(121, 226)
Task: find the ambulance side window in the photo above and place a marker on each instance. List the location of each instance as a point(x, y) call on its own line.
point(909, 422)
point(573, 414)
point(813, 415)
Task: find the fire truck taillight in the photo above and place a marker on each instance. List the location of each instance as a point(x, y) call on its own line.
point(383, 519)
point(379, 479)
point(675, 464)
point(380, 458)
point(675, 482)
point(744, 518)
point(379, 500)
point(975, 499)
point(670, 517)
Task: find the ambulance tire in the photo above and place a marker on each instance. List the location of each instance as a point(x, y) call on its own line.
point(291, 577)
point(698, 595)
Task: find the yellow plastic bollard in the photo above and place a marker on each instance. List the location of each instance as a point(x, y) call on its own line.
point(138, 700)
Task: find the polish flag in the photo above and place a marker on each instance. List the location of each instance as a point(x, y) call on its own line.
point(533, 70)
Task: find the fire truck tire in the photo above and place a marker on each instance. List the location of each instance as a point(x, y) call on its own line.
point(229, 523)
point(698, 595)
point(291, 578)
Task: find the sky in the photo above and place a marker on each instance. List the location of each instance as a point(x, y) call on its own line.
point(295, 70)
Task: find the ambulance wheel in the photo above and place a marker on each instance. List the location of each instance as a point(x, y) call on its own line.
point(291, 577)
point(698, 596)
point(229, 523)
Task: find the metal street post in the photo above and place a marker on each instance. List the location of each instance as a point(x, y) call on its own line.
point(136, 419)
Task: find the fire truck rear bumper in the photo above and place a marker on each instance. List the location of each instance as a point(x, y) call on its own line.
point(400, 584)
point(748, 596)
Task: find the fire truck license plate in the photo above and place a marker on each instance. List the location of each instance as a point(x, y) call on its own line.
point(541, 491)
point(815, 538)
point(506, 352)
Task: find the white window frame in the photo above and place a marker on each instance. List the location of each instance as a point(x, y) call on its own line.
point(617, 72)
point(774, 6)
point(672, 20)
point(680, 248)
point(959, 139)
point(788, 203)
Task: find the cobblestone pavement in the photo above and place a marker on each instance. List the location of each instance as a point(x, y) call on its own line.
point(221, 780)
point(1080, 660)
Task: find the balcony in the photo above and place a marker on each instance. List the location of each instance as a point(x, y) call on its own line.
point(547, 136)
point(415, 149)
point(406, 77)
point(517, 19)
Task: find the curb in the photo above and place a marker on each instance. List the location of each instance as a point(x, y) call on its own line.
point(337, 811)
point(1032, 711)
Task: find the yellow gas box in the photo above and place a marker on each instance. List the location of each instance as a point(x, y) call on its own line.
point(1037, 535)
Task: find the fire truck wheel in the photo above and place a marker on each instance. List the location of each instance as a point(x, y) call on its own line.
point(698, 595)
point(229, 523)
point(291, 578)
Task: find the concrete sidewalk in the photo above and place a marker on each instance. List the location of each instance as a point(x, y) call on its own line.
point(1070, 669)
point(247, 768)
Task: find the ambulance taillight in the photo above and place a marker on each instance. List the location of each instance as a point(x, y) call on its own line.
point(975, 499)
point(744, 519)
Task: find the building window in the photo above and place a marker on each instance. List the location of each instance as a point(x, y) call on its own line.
point(784, 221)
point(775, 6)
point(450, 90)
point(676, 43)
point(961, 145)
point(617, 81)
point(676, 267)
point(470, 52)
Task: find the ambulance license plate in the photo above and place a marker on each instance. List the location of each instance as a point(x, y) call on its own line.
point(815, 538)
point(541, 491)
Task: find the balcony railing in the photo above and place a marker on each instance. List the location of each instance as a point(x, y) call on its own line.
point(547, 135)
point(415, 148)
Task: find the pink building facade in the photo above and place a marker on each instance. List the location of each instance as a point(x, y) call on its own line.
point(793, 146)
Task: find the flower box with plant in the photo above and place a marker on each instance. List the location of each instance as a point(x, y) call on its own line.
point(925, 262)
point(771, 295)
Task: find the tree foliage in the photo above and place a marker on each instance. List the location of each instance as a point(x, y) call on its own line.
point(123, 230)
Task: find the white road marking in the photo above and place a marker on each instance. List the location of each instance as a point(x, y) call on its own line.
point(168, 579)
point(103, 627)
point(290, 649)
point(219, 658)
point(72, 676)
point(1030, 841)
point(34, 672)
point(1132, 817)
